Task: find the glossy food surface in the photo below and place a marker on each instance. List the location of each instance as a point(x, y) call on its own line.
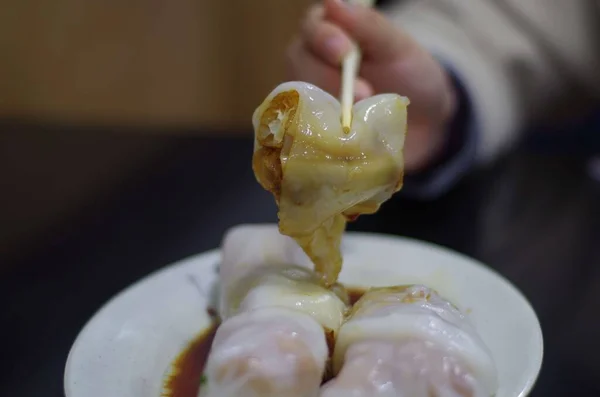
point(320, 175)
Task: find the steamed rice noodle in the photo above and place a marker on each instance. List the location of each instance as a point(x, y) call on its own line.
point(409, 342)
point(279, 322)
point(320, 175)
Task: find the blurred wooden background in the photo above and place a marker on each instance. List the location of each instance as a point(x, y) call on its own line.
point(175, 62)
point(137, 66)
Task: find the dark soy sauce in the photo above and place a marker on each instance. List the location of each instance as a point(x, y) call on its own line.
point(187, 378)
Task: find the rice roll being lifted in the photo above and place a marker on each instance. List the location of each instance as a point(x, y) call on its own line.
point(278, 320)
point(409, 342)
point(320, 175)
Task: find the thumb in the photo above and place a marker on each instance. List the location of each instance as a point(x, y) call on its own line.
point(376, 36)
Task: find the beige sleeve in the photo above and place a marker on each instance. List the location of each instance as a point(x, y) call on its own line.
point(515, 57)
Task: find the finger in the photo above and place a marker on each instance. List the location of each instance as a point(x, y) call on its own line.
point(375, 34)
point(324, 39)
point(305, 66)
point(362, 89)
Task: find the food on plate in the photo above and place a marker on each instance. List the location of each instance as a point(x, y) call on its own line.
point(261, 268)
point(409, 341)
point(278, 319)
point(320, 175)
point(283, 333)
point(413, 368)
point(267, 352)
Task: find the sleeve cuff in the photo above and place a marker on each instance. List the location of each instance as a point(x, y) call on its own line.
point(459, 155)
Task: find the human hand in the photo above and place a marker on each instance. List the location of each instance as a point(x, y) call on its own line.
point(393, 62)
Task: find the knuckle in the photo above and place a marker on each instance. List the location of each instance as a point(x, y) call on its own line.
point(313, 17)
point(315, 12)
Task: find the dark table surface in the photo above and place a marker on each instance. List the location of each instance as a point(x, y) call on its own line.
point(533, 217)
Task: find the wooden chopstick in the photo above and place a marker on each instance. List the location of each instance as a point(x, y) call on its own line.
point(350, 66)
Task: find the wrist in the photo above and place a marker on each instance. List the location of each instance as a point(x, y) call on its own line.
point(427, 142)
point(438, 143)
point(458, 152)
point(425, 147)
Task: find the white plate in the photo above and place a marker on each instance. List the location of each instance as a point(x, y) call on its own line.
point(126, 349)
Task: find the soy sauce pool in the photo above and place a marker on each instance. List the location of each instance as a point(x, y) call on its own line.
point(186, 379)
point(354, 294)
